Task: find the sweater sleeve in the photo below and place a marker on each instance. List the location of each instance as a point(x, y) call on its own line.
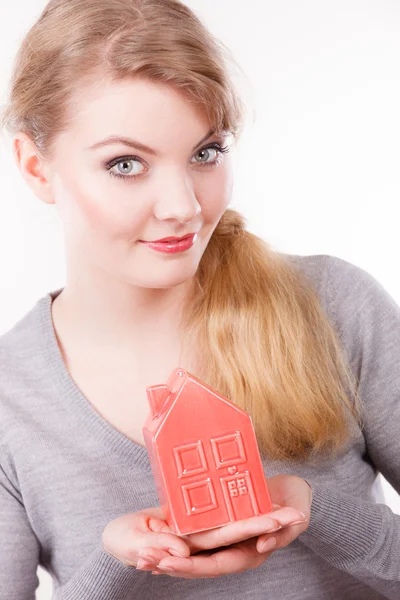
point(353, 534)
point(100, 576)
point(19, 548)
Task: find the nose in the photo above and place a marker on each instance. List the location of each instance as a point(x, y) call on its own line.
point(178, 201)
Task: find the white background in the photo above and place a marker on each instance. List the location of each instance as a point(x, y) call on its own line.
point(317, 170)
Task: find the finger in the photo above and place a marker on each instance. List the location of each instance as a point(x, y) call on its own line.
point(285, 515)
point(148, 558)
point(153, 531)
point(154, 555)
point(267, 545)
point(145, 565)
point(168, 542)
point(241, 530)
point(151, 520)
point(283, 538)
point(231, 560)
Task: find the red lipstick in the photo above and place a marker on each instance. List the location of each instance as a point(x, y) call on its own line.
point(179, 245)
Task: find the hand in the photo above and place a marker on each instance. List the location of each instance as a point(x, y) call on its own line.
point(127, 536)
point(243, 539)
point(288, 490)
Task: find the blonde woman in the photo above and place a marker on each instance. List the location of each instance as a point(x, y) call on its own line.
point(123, 115)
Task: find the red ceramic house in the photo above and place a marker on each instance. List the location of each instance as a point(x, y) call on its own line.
point(204, 456)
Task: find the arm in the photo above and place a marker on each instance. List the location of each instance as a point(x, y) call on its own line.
point(101, 575)
point(355, 535)
point(19, 548)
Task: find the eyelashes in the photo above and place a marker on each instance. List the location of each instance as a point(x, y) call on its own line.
point(215, 146)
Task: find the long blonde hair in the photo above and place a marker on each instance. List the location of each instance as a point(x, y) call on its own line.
point(267, 343)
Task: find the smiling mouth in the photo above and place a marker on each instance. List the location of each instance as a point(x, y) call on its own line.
point(169, 240)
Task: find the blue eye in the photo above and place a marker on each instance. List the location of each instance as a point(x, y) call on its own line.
point(123, 161)
point(220, 150)
point(217, 149)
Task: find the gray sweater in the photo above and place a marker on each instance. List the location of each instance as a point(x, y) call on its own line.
point(65, 472)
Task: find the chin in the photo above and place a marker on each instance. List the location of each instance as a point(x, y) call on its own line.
point(166, 278)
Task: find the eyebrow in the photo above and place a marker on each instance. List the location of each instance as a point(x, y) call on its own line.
point(126, 141)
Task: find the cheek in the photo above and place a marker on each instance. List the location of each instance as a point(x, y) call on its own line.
point(96, 212)
point(216, 195)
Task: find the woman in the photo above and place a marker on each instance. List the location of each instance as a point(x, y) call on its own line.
point(309, 346)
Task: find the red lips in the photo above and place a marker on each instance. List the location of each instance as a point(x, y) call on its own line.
point(171, 238)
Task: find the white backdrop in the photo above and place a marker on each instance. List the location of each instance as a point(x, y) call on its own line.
point(317, 170)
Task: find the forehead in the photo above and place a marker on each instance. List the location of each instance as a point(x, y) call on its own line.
point(149, 111)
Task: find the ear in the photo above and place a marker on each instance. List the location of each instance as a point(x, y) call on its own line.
point(32, 167)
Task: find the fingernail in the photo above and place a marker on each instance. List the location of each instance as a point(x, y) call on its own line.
point(297, 522)
point(142, 563)
point(175, 552)
point(268, 545)
point(303, 520)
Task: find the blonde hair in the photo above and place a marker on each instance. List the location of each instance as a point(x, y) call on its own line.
point(267, 343)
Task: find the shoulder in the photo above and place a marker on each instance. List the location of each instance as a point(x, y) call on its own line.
point(365, 315)
point(20, 343)
point(344, 285)
point(328, 266)
point(355, 301)
point(22, 367)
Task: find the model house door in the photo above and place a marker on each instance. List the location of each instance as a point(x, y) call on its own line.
point(239, 496)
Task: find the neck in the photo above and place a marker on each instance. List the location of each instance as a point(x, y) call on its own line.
point(130, 323)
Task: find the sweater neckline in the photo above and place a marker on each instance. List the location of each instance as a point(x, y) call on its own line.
point(126, 448)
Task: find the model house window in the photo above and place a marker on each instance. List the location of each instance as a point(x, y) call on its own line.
point(228, 450)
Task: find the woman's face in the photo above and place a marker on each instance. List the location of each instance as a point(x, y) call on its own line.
point(112, 196)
